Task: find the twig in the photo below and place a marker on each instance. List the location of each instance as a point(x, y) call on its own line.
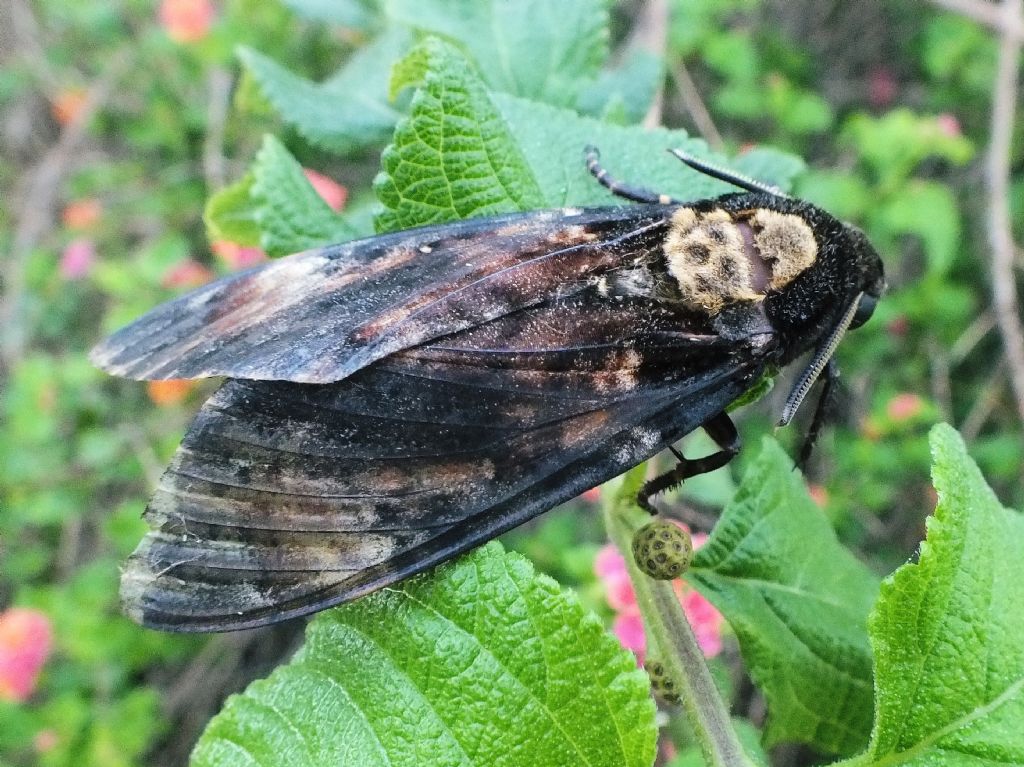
point(989, 14)
point(218, 100)
point(1004, 289)
point(695, 106)
point(672, 639)
point(25, 42)
point(940, 377)
point(984, 404)
point(971, 337)
point(650, 33)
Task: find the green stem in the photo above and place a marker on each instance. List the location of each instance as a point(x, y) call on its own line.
point(670, 635)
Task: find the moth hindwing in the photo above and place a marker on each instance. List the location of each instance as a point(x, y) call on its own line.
point(394, 401)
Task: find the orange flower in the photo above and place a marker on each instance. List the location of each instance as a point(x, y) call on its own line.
point(187, 274)
point(25, 642)
point(170, 392)
point(333, 193)
point(67, 104)
point(186, 21)
point(818, 494)
point(237, 256)
point(82, 214)
point(904, 407)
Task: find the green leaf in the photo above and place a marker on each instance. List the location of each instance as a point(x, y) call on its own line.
point(230, 214)
point(841, 193)
point(353, 14)
point(770, 166)
point(482, 662)
point(895, 143)
point(949, 661)
point(633, 85)
point(928, 210)
point(534, 48)
point(466, 152)
point(798, 602)
point(290, 214)
point(345, 113)
point(453, 156)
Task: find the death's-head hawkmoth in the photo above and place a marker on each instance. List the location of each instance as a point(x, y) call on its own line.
point(394, 401)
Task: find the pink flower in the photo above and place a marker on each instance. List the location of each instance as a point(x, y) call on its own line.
point(333, 193)
point(45, 740)
point(704, 618)
point(610, 568)
point(237, 256)
point(948, 125)
point(629, 629)
point(593, 495)
point(77, 259)
point(25, 640)
point(186, 21)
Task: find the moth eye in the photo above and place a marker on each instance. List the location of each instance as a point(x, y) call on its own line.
point(865, 309)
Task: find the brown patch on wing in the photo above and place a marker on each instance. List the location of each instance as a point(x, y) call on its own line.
point(320, 316)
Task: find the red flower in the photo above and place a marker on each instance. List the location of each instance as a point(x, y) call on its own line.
point(882, 87)
point(25, 641)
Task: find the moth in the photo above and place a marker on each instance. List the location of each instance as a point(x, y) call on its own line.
point(397, 400)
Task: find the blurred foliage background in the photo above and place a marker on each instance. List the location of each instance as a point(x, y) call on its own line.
point(118, 120)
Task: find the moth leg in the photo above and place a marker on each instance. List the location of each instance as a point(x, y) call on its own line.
point(723, 431)
point(627, 191)
point(822, 411)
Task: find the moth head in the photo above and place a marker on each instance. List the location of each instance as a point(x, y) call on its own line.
point(864, 286)
point(809, 269)
point(872, 274)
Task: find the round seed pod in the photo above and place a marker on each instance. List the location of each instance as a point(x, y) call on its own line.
point(662, 685)
point(662, 549)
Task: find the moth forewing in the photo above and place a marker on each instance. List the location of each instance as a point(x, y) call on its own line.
point(397, 400)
